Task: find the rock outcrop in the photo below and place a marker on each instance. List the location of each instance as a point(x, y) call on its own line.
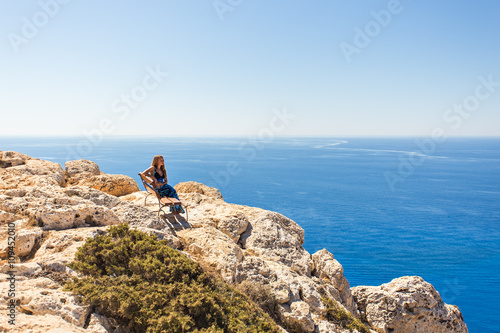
point(87, 173)
point(407, 304)
point(18, 170)
point(194, 187)
point(55, 211)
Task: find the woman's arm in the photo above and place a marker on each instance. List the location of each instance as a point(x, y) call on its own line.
point(148, 173)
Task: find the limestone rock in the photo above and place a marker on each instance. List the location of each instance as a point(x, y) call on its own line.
point(326, 326)
point(254, 268)
point(275, 237)
point(57, 208)
point(213, 249)
point(25, 268)
point(194, 187)
point(74, 216)
point(138, 216)
point(60, 246)
point(44, 307)
point(44, 323)
point(24, 242)
point(76, 193)
point(77, 170)
point(42, 296)
point(271, 247)
point(298, 316)
point(227, 218)
point(87, 173)
point(233, 225)
point(280, 277)
point(102, 324)
point(329, 269)
point(407, 304)
point(20, 170)
point(6, 217)
point(12, 158)
point(117, 185)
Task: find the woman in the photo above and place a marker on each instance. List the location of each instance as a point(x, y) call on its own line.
point(158, 174)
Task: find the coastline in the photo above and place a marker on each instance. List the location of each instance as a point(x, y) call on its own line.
point(251, 243)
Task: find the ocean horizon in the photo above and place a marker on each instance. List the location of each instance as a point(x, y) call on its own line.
point(386, 207)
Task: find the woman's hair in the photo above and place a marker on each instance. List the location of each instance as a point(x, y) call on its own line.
point(155, 163)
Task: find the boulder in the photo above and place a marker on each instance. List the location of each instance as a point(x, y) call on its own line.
point(6, 217)
point(297, 316)
point(407, 304)
point(12, 158)
point(19, 170)
point(330, 270)
point(77, 170)
point(24, 241)
point(116, 185)
point(275, 237)
point(212, 249)
point(87, 173)
point(194, 187)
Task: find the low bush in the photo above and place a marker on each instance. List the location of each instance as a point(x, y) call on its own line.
point(261, 294)
point(149, 287)
point(341, 317)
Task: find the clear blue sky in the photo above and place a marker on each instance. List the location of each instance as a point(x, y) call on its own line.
point(229, 68)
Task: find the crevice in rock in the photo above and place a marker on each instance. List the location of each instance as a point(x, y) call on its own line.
point(244, 235)
point(25, 311)
point(89, 220)
point(36, 247)
point(314, 271)
point(88, 317)
point(301, 294)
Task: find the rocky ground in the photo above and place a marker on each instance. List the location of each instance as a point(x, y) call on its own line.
point(55, 210)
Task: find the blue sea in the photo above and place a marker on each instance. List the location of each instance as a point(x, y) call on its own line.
point(385, 207)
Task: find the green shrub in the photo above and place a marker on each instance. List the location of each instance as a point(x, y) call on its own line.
point(149, 287)
point(261, 294)
point(339, 316)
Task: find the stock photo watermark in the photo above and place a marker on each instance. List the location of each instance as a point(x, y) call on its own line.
point(371, 30)
point(454, 117)
point(121, 109)
point(11, 273)
point(453, 290)
point(223, 6)
point(31, 26)
point(250, 148)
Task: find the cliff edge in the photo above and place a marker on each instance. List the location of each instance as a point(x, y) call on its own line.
point(53, 211)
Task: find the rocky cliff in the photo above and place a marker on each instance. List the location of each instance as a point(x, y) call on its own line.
point(53, 211)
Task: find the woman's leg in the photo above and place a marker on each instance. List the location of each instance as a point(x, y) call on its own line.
point(170, 192)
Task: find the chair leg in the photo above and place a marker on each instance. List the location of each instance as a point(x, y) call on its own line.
point(159, 208)
point(145, 198)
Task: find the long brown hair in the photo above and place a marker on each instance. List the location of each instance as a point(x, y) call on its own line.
point(155, 163)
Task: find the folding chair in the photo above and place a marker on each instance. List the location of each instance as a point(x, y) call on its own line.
point(162, 201)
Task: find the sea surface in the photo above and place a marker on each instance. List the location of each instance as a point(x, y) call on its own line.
point(385, 207)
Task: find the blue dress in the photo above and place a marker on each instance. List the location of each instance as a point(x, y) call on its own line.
point(168, 191)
